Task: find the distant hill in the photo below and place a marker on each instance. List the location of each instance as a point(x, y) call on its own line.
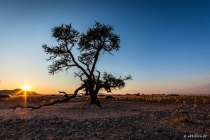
point(17, 92)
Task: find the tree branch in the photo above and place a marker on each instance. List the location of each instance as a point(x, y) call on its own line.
point(99, 73)
point(95, 60)
point(79, 76)
point(73, 59)
point(67, 98)
point(84, 64)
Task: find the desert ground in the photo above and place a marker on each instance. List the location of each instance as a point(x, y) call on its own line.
point(120, 117)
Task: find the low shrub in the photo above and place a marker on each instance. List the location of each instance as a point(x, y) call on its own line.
point(109, 97)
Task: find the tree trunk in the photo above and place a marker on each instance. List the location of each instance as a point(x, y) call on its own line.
point(86, 91)
point(94, 98)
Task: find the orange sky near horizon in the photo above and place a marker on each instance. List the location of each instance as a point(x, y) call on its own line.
point(53, 85)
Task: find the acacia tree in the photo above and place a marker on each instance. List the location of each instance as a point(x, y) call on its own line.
point(99, 39)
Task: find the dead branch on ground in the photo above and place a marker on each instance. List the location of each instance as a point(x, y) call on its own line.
point(67, 98)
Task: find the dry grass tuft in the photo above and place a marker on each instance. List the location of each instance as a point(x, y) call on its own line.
point(44, 102)
point(184, 102)
point(205, 101)
point(184, 119)
point(184, 116)
point(195, 106)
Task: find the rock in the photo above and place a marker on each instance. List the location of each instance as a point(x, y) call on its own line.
point(69, 133)
point(140, 130)
point(88, 124)
point(72, 123)
point(112, 137)
point(52, 121)
point(37, 131)
point(101, 133)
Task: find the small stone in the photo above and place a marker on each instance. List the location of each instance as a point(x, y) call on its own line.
point(52, 121)
point(101, 133)
point(112, 137)
point(72, 123)
point(37, 131)
point(140, 130)
point(68, 133)
point(90, 125)
point(156, 134)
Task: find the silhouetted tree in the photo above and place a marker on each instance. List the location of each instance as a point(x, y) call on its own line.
point(99, 39)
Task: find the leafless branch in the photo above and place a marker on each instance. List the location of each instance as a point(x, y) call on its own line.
point(67, 98)
point(79, 75)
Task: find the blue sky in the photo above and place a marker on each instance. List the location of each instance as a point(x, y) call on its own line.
point(164, 44)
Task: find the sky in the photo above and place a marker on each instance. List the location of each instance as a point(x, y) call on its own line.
point(165, 44)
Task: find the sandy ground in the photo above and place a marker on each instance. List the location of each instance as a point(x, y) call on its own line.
point(124, 117)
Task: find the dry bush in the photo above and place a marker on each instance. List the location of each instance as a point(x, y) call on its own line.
point(44, 102)
point(195, 106)
point(51, 101)
point(160, 99)
point(4, 96)
point(184, 119)
point(205, 101)
point(109, 97)
point(164, 98)
point(137, 94)
point(184, 116)
point(195, 101)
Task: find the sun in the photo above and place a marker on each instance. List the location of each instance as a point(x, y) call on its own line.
point(25, 87)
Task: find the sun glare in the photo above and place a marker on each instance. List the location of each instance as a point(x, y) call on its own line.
point(25, 87)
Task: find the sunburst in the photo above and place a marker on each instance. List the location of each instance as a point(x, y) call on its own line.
point(26, 88)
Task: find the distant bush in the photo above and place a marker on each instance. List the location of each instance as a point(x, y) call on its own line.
point(4, 96)
point(137, 94)
point(109, 97)
point(173, 94)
